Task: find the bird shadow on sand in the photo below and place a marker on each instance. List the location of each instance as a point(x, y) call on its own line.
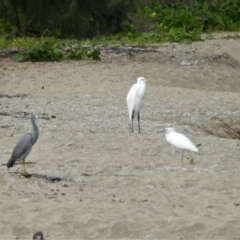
point(37, 175)
point(48, 178)
point(41, 176)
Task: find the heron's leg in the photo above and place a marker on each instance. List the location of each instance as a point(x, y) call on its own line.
point(21, 164)
point(191, 159)
point(139, 123)
point(24, 172)
point(182, 156)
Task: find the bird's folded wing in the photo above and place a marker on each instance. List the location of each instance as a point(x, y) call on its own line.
point(181, 141)
point(23, 146)
point(132, 98)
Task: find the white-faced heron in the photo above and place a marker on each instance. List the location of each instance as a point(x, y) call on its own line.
point(23, 147)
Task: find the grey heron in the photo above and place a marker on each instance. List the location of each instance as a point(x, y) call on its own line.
point(23, 147)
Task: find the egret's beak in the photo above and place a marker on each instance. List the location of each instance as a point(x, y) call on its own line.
point(148, 79)
point(162, 131)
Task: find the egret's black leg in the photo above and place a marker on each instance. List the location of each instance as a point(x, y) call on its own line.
point(132, 120)
point(139, 123)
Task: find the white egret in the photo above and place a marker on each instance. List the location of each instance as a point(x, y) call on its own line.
point(24, 147)
point(180, 141)
point(135, 101)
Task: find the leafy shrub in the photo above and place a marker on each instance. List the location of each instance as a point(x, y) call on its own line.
point(48, 51)
point(92, 54)
point(219, 15)
point(178, 21)
point(6, 27)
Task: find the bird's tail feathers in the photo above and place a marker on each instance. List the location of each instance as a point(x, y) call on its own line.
point(10, 162)
point(195, 150)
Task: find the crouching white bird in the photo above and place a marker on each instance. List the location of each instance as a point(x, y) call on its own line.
point(180, 141)
point(135, 101)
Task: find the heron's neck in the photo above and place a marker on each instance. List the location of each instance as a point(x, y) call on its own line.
point(35, 133)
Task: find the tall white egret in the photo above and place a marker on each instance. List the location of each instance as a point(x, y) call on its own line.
point(135, 101)
point(24, 147)
point(180, 141)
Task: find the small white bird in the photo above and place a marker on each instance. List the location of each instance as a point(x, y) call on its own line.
point(135, 101)
point(180, 141)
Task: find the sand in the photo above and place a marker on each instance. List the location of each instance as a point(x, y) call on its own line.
point(92, 178)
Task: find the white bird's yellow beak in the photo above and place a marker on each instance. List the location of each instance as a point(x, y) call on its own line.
point(148, 79)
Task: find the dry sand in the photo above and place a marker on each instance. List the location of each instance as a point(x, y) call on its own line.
point(92, 178)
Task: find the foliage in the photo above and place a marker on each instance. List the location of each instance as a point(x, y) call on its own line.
point(219, 14)
point(64, 18)
point(46, 52)
point(6, 27)
point(37, 28)
point(235, 36)
point(92, 54)
point(179, 21)
point(52, 49)
point(5, 41)
point(77, 55)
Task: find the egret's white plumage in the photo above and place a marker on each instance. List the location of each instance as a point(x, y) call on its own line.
point(135, 100)
point(180, 141)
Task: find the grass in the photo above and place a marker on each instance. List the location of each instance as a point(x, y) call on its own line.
point(26, 43)
point(48, 48)
point(54, 49)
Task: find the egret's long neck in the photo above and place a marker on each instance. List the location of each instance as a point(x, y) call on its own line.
point(35, 133)
point(143, 86)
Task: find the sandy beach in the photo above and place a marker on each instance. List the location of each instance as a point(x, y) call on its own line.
point(91, 177)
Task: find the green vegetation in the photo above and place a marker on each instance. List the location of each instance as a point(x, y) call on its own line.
point(51, 49)
point(188, 19)
point(59, 29)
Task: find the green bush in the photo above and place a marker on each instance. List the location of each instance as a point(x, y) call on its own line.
point(48, 51)
point(221, 15)
point(179, 21)
point(6, 27)
point(108, 22)
point(51, 49)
